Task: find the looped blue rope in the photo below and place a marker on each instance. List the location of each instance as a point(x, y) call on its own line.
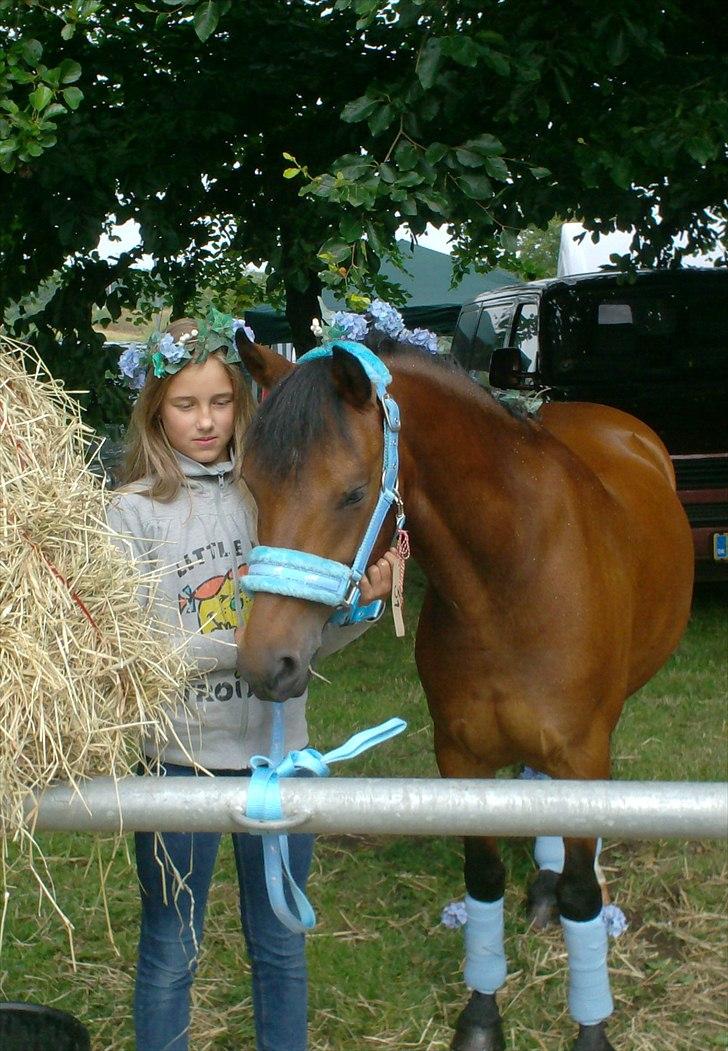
point(264, 804)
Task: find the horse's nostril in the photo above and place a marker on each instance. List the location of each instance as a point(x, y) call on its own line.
point(287, 677)
point(288, 665)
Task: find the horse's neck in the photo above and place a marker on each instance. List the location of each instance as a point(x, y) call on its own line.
point(459, 452)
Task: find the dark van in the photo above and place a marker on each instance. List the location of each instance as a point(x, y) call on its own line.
point(655, 346)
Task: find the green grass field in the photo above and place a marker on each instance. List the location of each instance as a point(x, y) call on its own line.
point(384, 972)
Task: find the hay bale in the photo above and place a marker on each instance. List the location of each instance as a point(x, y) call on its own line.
point(82, 670)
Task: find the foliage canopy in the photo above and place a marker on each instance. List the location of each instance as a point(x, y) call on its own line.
point(263, 131)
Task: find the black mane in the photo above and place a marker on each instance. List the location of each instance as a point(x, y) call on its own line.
point(302, 412)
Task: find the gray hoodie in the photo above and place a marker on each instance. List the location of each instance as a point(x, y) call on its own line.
point(198, 543)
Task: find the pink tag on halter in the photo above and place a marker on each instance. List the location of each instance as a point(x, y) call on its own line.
point(403, 553)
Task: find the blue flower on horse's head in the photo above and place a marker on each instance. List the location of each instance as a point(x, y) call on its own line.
point(385, 318)
point(420, 337)
point(351, 326)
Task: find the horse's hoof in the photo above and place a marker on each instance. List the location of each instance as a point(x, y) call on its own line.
point(479, 1026)
point(592, 1038)
point(543, 909)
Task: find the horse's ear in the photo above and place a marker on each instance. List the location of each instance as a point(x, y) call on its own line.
point(350, 380)
point(264, 365)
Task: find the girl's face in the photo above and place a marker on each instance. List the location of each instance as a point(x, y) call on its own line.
point(198, 412)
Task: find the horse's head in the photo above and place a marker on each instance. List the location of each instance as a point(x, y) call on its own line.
point(313, 463)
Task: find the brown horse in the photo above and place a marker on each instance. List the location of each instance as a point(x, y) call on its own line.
point(559, 565)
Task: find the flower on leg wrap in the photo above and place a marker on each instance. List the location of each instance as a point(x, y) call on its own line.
point(485, 961)
point(590, 998)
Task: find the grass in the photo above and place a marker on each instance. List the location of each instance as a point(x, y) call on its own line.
point(384, 972)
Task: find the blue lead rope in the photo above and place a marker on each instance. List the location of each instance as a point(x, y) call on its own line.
point(264, 804)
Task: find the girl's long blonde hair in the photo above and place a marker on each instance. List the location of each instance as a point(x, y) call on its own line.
point(149, 455)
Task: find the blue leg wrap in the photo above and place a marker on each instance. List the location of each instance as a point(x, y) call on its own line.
point(590, 999)
point(548, 852)
point(485, 961)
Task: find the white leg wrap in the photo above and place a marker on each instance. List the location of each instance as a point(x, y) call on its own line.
point(485, 961)
point(548, 853)
point(590, 999)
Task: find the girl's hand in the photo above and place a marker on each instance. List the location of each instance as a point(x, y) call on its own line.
point(377, 581)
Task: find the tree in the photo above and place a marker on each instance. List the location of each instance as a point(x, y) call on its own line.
point(297, 124)
point(496, 116)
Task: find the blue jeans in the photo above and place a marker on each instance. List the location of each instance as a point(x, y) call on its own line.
point(172, 921)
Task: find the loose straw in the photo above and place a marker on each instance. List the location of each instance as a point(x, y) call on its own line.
point(83, 673)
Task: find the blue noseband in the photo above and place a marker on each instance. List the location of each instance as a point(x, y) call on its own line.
point(298, 574)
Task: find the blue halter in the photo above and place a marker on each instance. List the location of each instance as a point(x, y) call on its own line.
point(282, 571)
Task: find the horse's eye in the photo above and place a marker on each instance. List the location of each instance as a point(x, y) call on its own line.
point(354, 496)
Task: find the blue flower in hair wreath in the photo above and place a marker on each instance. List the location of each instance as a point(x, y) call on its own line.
point(166, 357)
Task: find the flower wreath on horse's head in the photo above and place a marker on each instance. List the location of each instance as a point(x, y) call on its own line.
point(379, 318)
point(165, 356)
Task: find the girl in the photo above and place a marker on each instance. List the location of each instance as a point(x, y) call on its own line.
point(184, 510)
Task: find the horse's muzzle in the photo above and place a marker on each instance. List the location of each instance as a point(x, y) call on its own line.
point(282, 675)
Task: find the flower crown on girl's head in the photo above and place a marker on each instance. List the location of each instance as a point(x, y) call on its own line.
point(166, 357)
point(342, 324)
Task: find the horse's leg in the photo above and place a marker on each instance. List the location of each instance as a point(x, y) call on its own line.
point(580, 905)
point(479, 1026)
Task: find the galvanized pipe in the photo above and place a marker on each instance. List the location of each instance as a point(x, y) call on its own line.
point(390, 806)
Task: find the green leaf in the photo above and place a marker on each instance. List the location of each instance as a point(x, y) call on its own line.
point(350, 228)
point(335, 249)
point(435, 152)
point(406, 156)
point(291, 173)
point(358, 109)
point(54, 110)
point(702, 150)
point(436, 202)
point(497, 167)
point(498, 63)
point(509, 240)
point(31, 50)
point(618, 49)
point(410, 179)
point(540, 173)
point(487, 145)
point(205, 19)
point(562, 86)
point(40, 98)
point(382, 118)
point(429, 62)
point(67, 32)
point(73, 97)
point(70, 71)
point(387, 173)
point(462, 50)
point(477, 187)
point(468, 158)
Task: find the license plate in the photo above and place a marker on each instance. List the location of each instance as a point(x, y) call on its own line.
point(720, 547)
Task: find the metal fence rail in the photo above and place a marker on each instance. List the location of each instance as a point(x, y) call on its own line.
point(390, 806)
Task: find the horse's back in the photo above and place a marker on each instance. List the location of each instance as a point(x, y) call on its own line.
point(606, 438)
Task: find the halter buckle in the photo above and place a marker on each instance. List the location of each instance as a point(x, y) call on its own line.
point(392, 419)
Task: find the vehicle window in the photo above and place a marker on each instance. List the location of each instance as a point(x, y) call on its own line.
point(525, 335)
point(492, 332)
point(462, 340)
point(633, 332)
